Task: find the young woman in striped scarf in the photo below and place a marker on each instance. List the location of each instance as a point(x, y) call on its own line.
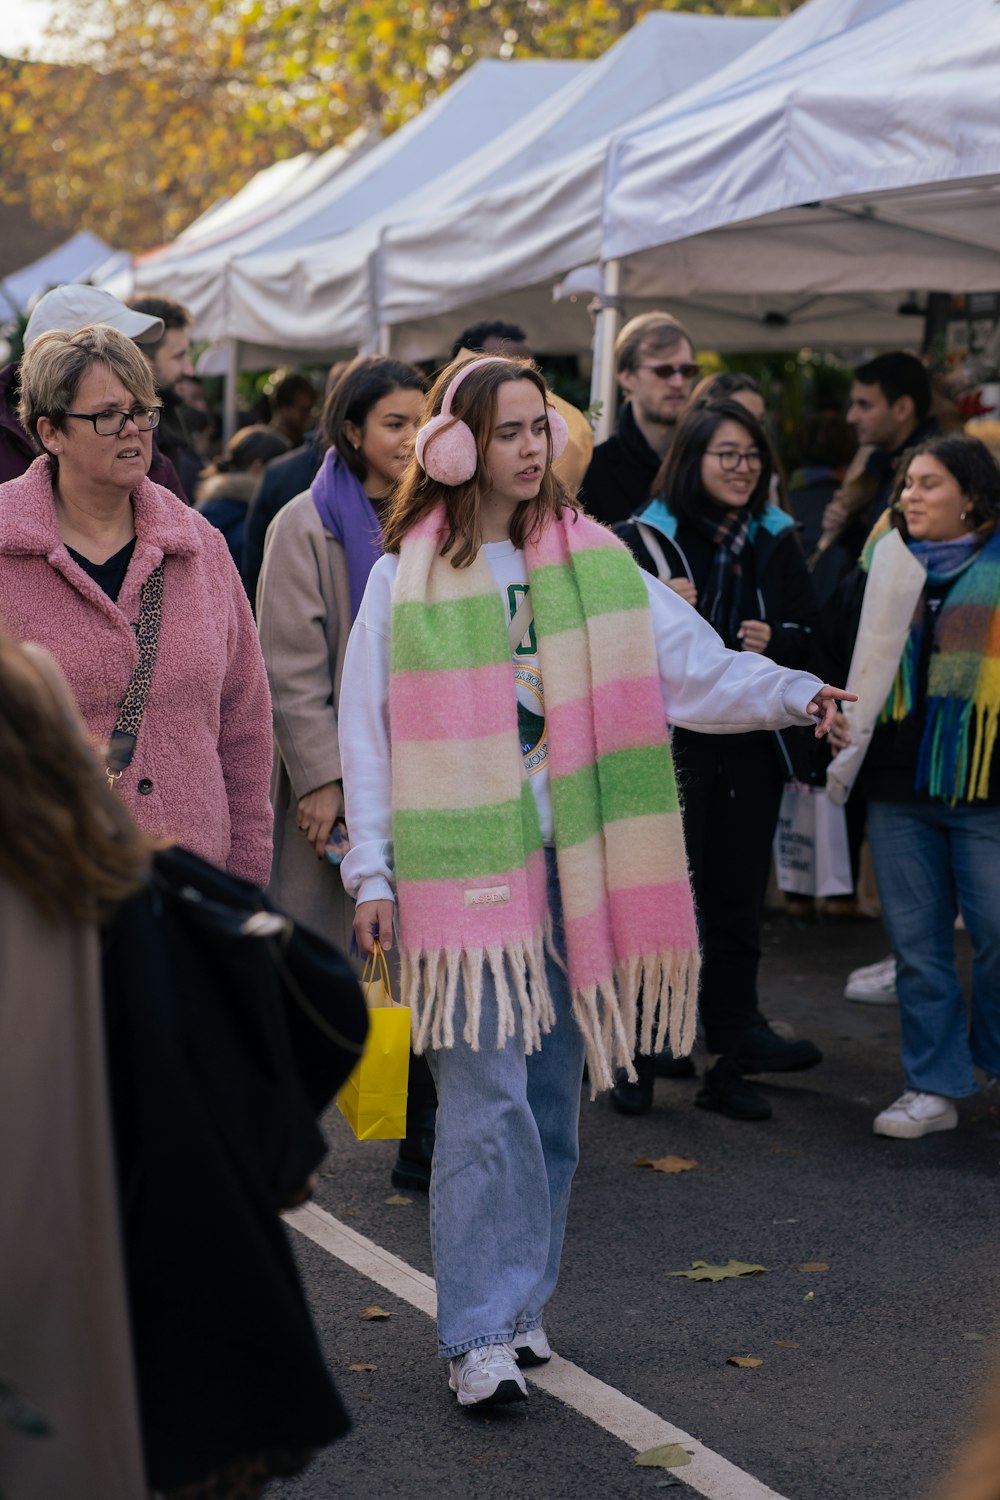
point(932, 776)
point(509, 783)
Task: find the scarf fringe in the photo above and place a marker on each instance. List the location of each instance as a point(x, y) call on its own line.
point(430, 984)
point(956, 749)
point(607, 1015)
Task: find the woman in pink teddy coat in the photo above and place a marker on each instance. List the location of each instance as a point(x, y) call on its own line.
point(81, 533)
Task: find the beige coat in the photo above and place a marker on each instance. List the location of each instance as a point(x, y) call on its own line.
point(304, 619)
point(64, 1337)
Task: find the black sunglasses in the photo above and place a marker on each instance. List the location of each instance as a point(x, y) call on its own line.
point(667, 372)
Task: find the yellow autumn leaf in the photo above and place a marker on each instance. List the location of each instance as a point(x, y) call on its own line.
point(814, 1265)
point(373, 1314)
point(663, 1456)
point(702, 1271)
point(744, 1361)
point(667, 1163)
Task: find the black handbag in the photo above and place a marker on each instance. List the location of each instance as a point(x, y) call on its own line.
point(254, 951)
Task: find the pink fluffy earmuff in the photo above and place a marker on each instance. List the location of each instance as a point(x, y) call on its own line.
point(454, 457)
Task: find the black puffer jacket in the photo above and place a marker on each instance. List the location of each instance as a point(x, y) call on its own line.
point(777, 590)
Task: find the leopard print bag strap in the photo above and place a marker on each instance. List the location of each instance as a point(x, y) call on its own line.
point(121, 746)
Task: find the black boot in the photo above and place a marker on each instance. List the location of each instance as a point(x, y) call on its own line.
point(416, 1150)
point(764, 1051)
point(669, 1066)
point(635, 1098)
point(726, 1091)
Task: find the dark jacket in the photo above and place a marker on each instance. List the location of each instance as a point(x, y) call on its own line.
point(175, 442)
point(224, 500)
point(283, 479)
point(621, 473)
point(214, 1128)
point(889, 769)
point(777, 589)
point(18, 452)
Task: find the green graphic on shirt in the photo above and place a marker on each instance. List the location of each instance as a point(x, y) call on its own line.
point(528, 646)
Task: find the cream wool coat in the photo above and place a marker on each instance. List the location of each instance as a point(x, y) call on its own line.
point(304, 619)
point(64, 1334)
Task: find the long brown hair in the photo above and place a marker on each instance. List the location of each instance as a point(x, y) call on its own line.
point(475, 403)
point(66, 843)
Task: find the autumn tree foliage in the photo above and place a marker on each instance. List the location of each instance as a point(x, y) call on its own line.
point(156, 110)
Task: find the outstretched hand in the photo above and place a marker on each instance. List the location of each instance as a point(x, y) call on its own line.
point(824, 707)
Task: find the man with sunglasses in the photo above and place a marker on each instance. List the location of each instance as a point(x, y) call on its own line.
point(656, 369)
point(68, 309)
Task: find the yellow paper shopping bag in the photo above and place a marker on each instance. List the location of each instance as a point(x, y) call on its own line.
point(373, 1100)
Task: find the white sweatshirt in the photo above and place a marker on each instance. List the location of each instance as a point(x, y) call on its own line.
point(705, 687)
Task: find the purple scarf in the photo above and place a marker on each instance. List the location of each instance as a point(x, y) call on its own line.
point(349, 515)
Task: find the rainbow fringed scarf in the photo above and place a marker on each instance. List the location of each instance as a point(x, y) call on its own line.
point(962, 709)
point(468, 852)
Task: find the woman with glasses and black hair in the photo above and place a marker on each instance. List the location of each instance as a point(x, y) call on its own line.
point(711, 535)
point(138, 600)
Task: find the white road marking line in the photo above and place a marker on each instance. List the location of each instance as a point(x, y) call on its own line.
point(708, 1473)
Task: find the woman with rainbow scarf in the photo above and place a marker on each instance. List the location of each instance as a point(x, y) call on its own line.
point(507, 771)
point(932, 779)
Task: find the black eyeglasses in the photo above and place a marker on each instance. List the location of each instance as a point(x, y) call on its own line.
point(667, 372)
point(730, 459)
point(111, 423)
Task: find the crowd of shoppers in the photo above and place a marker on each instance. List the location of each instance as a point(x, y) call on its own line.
point(517, 749)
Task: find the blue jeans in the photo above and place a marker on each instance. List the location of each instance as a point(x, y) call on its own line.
point(506, 1148)
point(932, 861)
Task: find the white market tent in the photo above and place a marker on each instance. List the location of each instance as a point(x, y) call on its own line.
point(873, 170)
point(479, 106)
point(76, 260)
point(332, 289)
point(849, 101)
point(552, 221)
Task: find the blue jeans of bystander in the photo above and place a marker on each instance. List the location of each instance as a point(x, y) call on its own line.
point(932, 861)
point(506, 1148)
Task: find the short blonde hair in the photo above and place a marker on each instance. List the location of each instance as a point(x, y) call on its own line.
point(56, 362)
point(658, 330)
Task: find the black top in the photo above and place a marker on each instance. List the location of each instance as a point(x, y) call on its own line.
point(621, 473)
point(109, 575)
point(284, 477)
point(775, 588)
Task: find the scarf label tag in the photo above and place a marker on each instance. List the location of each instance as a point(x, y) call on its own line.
point(493, 895)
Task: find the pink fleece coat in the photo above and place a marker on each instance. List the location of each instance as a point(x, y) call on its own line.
point(202, 762)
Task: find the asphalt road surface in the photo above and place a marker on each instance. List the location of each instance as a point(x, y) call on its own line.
point(870, 1369)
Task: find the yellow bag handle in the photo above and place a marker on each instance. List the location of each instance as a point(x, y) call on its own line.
point(377, 967)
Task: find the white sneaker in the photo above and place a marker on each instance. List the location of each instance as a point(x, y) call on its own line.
point(874, 984)
point(532, 1348)
point(916, 1114)
point(487, 1376)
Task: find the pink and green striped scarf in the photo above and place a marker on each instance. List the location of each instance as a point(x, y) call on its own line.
point(468, 851)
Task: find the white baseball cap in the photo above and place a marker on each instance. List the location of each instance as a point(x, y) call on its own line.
point(72, 307)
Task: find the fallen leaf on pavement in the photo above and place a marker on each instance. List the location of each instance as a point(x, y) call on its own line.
point(784, 1343)
point(373, 1314)
point(744, 1361)
point(667, 1163)
point(809, 1296)
point(398, 1198)
point(664, 1456)
point(363, 1369)
point(702, 1271)
point(814, 1265)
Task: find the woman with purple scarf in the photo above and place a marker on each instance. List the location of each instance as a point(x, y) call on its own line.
point(318, 553)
